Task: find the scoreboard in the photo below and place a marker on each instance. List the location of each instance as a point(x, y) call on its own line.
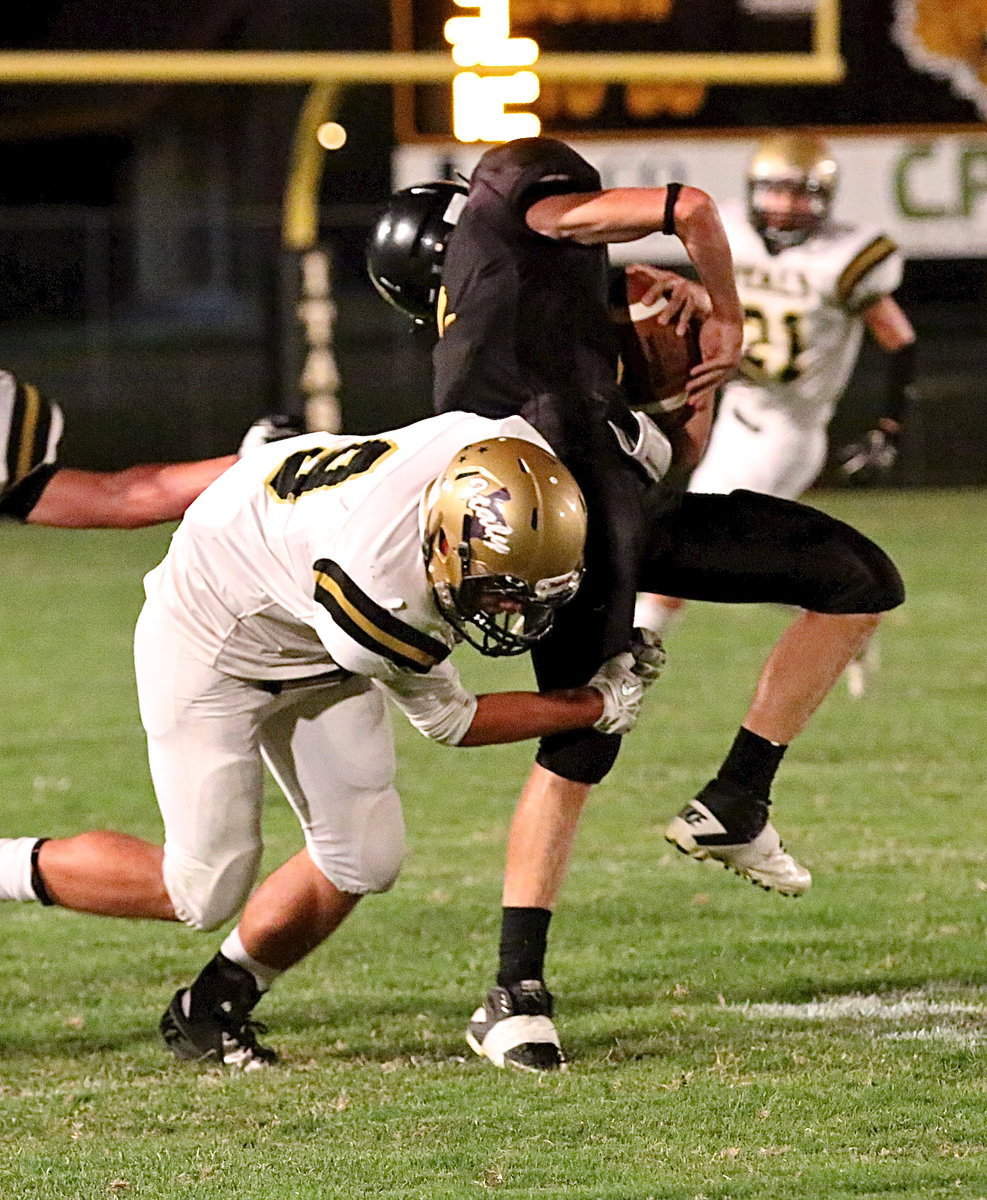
point(655, 90)
point(500, 94)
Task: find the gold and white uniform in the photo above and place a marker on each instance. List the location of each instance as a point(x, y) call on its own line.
point(802, 335)
point(30, 429)
point(292, 600)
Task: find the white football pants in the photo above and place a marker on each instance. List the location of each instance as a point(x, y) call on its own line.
point(329, 747)
point(762, 447)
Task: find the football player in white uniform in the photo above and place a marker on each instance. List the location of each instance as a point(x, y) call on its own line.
point(810, 286)
point(315, 578)
point(35, 489)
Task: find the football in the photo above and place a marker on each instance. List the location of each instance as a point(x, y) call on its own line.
point(664, 357)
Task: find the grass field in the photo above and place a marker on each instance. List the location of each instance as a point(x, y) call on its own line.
point(725, 1043)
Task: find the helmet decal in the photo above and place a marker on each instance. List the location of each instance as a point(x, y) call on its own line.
point(486, 520)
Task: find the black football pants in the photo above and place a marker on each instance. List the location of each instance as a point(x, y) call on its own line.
point(743, 548)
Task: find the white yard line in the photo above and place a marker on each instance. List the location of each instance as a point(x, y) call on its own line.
point(859, 1007)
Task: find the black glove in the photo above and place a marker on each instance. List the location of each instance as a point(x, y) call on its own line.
point(271, 428)
point(869, 460)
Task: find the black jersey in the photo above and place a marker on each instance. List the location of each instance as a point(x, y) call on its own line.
point(523, 319)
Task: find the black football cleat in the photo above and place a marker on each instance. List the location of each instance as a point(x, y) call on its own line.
point(513, 1028)
point(226, 1034)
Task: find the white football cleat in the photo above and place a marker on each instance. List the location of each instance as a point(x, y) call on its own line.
point(763, 860)
point(513, 1028)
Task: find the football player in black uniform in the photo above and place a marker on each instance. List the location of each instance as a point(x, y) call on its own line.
point(514, 272)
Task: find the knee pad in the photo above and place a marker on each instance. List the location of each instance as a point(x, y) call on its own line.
point(367, 857)
point(863, 578)
point(206, 895)
point(582, 757)
point(800, 556)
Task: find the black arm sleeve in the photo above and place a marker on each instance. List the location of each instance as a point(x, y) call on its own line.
point(902, 366)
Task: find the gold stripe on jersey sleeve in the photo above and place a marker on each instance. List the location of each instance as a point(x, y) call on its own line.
point(873, 253)
point(383, 642)
point(28, 428)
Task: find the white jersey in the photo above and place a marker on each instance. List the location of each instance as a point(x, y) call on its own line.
point(802, 326)
point(307, 555)
point(30, 429)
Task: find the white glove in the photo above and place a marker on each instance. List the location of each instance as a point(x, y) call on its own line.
point(622, 691)
point(652, 449)
point(870, 459)
point(271, 428)
point(649, 656)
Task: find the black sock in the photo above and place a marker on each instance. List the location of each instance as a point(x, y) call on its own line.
point(223, 982)
point(523, 943)
point(751, 764)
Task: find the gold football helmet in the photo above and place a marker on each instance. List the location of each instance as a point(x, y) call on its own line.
point(505, 531)
point(801, 165)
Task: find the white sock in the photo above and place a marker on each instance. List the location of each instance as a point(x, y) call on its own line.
point(650, 613)
point(15, 868)
point(232, 948)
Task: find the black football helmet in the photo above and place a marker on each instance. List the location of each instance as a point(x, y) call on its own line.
point(407, 245)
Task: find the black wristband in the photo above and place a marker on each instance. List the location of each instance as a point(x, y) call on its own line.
point(37, 879)
point(671, 195)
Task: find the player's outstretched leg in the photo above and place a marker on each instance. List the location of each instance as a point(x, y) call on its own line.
point(728, 820)
point(513, 1028)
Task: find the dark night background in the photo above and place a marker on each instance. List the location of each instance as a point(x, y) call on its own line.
point(139, 226)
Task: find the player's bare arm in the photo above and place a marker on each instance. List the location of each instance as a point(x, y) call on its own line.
point(513, 716)
point(889, 325)
point(625, 214)
point(876, 453)
point(127, 499)
point(610, 702)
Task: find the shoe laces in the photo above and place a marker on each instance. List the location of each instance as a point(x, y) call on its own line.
point(239, 1024)
point(240, 1045)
